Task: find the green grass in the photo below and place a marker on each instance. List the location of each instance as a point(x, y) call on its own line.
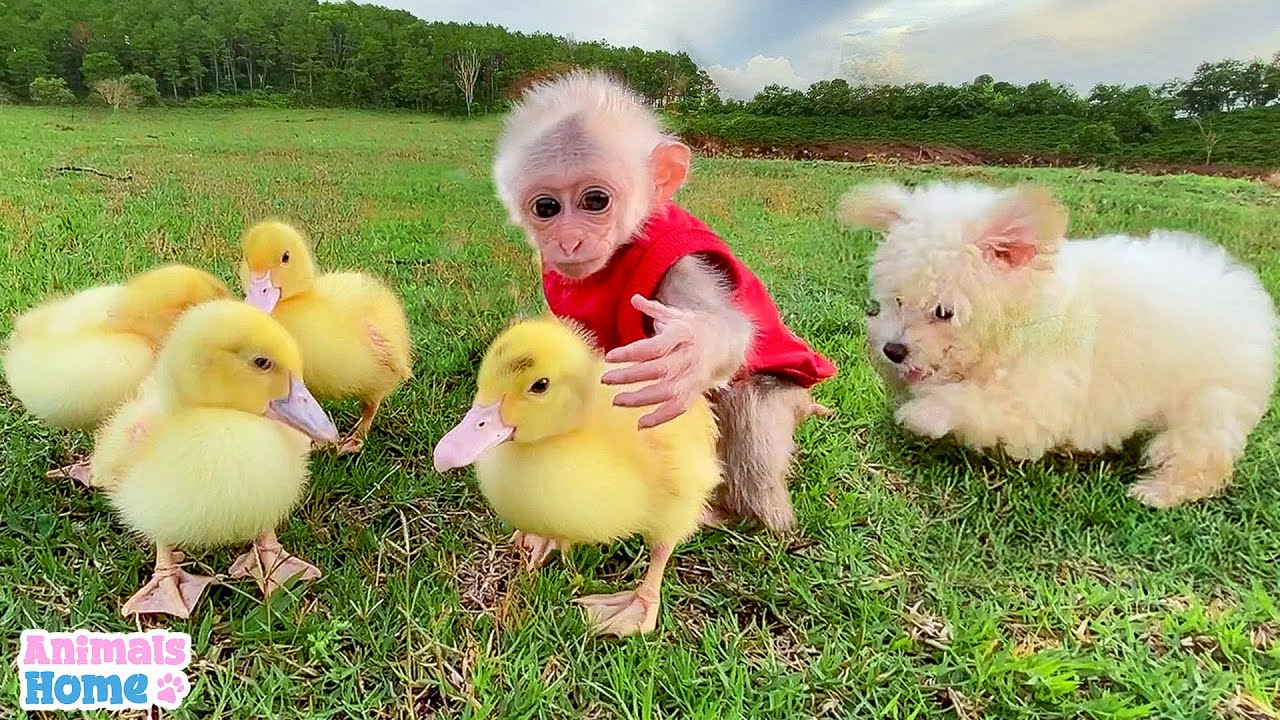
point(1247, 138)
point(923, 582)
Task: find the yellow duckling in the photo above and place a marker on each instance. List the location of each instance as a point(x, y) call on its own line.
point(73, 360)
point(556, 458)
point(350, 326)
point(213, 451)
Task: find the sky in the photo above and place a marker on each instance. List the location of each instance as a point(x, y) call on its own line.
point(747, 44)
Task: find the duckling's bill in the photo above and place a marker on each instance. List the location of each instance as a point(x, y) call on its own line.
point(262, 294)
point(300, 411)
point(481, 429)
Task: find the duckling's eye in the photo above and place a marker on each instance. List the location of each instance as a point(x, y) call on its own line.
point(942, 313)
point(262, 363)
point(284, 259)
point(546, 207)
point(873, 308)
point(539, 386)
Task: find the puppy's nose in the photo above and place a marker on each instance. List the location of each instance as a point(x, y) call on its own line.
point(896, 352)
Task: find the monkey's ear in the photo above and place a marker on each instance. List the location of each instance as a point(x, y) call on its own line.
point(876, 206)
point(669, 164)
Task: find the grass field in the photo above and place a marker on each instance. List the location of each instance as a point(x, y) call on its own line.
point(921, 583)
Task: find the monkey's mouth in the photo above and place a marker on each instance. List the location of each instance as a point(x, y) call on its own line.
point(578, 269)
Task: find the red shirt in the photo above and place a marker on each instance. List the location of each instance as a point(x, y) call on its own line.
point(602, 302)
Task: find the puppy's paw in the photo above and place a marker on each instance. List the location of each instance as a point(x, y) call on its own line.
point(1157, 493)
point(925, 417)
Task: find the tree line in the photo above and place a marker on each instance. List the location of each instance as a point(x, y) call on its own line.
point(306, 52)
point(301, 51)
point(1133, 113)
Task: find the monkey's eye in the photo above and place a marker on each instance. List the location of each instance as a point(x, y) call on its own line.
point(262, 363)
point(539, 386)
point(594, 201)
point(942, 313)
point(873, 308)
point(284, 259)
point(546, 207)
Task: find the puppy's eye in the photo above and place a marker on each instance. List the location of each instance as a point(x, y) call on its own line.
point(594, 201)
point(262, 363)
point(539, 386)
point(546, 207)
point(873, 308)
point(284, 259)
point(942, 313)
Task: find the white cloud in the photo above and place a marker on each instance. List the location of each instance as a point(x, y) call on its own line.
point(1081, 42)
point(744, 82)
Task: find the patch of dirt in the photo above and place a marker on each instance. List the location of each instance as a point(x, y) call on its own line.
point(1243, 706)
point(1204, 645)
point(1264, 636)
point(965, 708)
point(917, 154)
point(925, 628)
point(484, 580)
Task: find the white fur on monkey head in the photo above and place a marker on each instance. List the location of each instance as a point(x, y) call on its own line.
point(580, 165)
point(959, 270)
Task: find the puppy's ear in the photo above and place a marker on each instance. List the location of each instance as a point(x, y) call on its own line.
point(1027, 223)
point(876, 206)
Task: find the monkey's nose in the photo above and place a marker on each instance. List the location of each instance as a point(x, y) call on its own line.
point(896, 352)
point(568, 245)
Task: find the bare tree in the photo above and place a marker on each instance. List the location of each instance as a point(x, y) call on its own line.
point(116, 93)
point(466, 66)
point(1210, 138)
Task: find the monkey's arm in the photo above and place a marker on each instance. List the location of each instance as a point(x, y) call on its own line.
point(696, 285)
point(700, 341)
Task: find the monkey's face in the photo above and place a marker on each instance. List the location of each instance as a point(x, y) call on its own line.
point(577, 225)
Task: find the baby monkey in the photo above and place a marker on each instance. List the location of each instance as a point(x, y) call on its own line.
point(584, 167)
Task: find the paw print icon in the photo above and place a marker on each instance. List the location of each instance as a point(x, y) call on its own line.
point(170, 688)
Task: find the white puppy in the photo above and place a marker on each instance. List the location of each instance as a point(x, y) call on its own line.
point(1004, 333)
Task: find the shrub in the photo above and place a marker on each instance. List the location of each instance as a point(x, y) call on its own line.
point(1096, 139)
point(250, 99)
point(144, 86)
point(99, 66)
point(51, 91)
point(116, 93)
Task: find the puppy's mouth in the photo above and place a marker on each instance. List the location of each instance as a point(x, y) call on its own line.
point(913, 375)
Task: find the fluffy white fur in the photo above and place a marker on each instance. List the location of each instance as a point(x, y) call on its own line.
point(597, 117)
point(67, 368)
point(1016, 337)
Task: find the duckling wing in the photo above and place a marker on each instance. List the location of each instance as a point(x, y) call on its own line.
point(210, 477)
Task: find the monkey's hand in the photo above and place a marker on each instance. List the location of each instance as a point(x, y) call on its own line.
point(675, 358)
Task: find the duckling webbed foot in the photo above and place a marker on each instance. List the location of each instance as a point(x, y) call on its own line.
point(271, 565)
point(633, 611)
point(354, 442)
point(171, 591)
point(536, 549)
point(80, 472)
point(624, 613)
